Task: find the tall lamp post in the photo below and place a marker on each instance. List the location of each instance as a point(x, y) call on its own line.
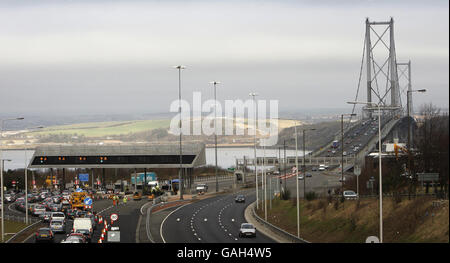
point(304, 160)
point(342, 149)
point(253, 95)
point(215, 131)
point(409, 111)
point(378, 106)
point(26, 177)
point(1, 175)
point(2, 206)
point(297, 170)
point(180, 177)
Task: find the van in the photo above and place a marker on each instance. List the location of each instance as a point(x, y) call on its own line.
point(82, 224)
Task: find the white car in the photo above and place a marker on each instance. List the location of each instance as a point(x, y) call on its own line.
point(58, 226)
point(350, 195)
point(300, 177)
point(247, 230)
point(72, 239)
point(58, 216)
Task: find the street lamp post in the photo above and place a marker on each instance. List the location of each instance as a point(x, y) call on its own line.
point(215, 131)
point(26, 178)
point(304, 160)
point(379, 159)
point(265, 181)
point(2, 203)
point(180, 177)
point(253, 95)
point(1, 158)
point(285, 162)
point(408, 110)
point(342, 150)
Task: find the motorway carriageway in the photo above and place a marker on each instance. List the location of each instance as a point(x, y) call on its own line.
point(212, 220)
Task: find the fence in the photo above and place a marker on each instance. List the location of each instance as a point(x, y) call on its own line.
point(20, 218)
point(276, 229)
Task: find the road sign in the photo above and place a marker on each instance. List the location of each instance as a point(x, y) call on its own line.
point(428, 177)
point(372, 239)
point(114, 217)
point(83, 177)
point(357, 170)
point(113, 236)
point(79, 190)
point(88, 201)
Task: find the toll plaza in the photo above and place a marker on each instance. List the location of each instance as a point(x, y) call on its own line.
point(130, 156)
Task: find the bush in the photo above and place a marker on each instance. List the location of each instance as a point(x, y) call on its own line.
point(321, 204)
point(336, 205)
point(310, 196)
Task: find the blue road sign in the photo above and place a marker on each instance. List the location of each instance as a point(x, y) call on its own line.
point(83, 177)
point(79, 190)
point(88, 201)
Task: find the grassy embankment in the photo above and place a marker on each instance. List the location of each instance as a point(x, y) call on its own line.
point(100, 129)
point(12, 227)
point(415, 220)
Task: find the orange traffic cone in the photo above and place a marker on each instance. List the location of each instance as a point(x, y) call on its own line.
point(99, 240)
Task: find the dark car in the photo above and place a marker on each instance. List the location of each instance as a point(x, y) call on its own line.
point(314, 169)
point(44, 235)
point(46, 216)
point(71, 213)
point(80, 213)
point(308, 175)
point(240, 199)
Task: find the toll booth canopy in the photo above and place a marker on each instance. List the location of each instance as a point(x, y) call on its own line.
point(119, 156)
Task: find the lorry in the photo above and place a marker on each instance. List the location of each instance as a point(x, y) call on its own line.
point(201, 188)
point(77, 200)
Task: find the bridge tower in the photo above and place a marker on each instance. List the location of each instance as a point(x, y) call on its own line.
point(381, 67)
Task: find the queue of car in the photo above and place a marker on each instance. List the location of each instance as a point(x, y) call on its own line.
point(54, 208)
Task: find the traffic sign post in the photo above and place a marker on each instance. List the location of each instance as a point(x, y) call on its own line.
point(114, 217)
point(88, 201)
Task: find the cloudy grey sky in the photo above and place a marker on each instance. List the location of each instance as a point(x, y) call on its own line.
point(102, 56)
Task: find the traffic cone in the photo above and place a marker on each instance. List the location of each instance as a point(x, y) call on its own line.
point(99, 240)
point(102, 237)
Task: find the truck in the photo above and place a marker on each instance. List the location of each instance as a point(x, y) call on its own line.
point(77, 200)
point(201, 188)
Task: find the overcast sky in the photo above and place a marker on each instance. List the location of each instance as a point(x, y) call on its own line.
point(101, 56)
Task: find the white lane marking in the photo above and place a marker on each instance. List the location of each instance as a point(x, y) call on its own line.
point(162, 224)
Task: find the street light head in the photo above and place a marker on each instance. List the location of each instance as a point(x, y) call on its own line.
point(20, 118)
point(180, 67)
point(214, 82)
point(421, 90)
point(253, 94)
